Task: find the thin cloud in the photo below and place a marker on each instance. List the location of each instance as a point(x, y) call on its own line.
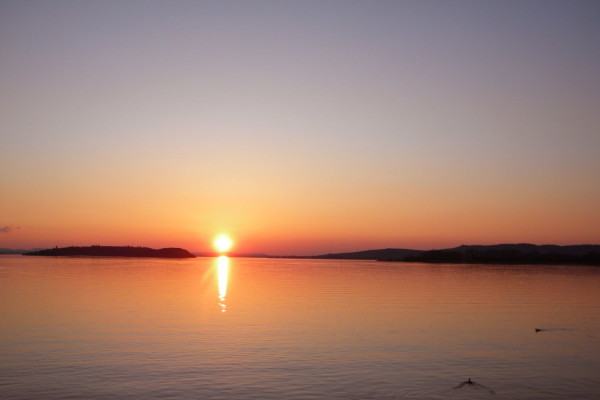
point(9, 229)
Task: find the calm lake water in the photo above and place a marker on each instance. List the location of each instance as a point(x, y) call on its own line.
point(295, 329)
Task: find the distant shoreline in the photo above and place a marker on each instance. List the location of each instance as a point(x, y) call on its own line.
point(508, 254)
point(113, 251)
point(522, 253)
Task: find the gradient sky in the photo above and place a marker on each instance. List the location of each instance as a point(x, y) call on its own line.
point(299, 127)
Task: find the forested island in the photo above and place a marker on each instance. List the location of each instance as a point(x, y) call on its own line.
point(114, 251)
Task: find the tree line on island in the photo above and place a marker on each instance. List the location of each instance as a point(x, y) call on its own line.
point(114, 251)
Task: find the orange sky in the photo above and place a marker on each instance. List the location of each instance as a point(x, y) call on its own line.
point(299, 129)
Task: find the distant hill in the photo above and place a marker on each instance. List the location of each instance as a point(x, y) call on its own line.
point(381, 254)
point(114, 251)
point(580, 249)
point(522, 253)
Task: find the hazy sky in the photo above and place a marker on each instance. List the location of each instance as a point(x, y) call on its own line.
point(299, 127)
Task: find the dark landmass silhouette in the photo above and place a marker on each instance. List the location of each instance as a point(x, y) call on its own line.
point(114, 251)
point(523, 253)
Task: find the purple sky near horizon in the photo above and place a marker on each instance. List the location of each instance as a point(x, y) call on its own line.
point(299, 127)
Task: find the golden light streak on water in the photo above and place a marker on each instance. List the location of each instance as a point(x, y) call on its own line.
point(223, 272)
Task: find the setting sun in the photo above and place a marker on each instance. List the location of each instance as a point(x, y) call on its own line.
point(222, 243)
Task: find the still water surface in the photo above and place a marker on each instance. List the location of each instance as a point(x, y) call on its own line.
point(295, 329)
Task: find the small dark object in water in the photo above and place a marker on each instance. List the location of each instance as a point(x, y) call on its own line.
point(475, 385)
point(539, 330)
point(467, 382)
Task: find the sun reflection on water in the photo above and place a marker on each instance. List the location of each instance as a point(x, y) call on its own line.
point(223, 271)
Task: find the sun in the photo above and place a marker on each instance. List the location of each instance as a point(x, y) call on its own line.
point(222, 243)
